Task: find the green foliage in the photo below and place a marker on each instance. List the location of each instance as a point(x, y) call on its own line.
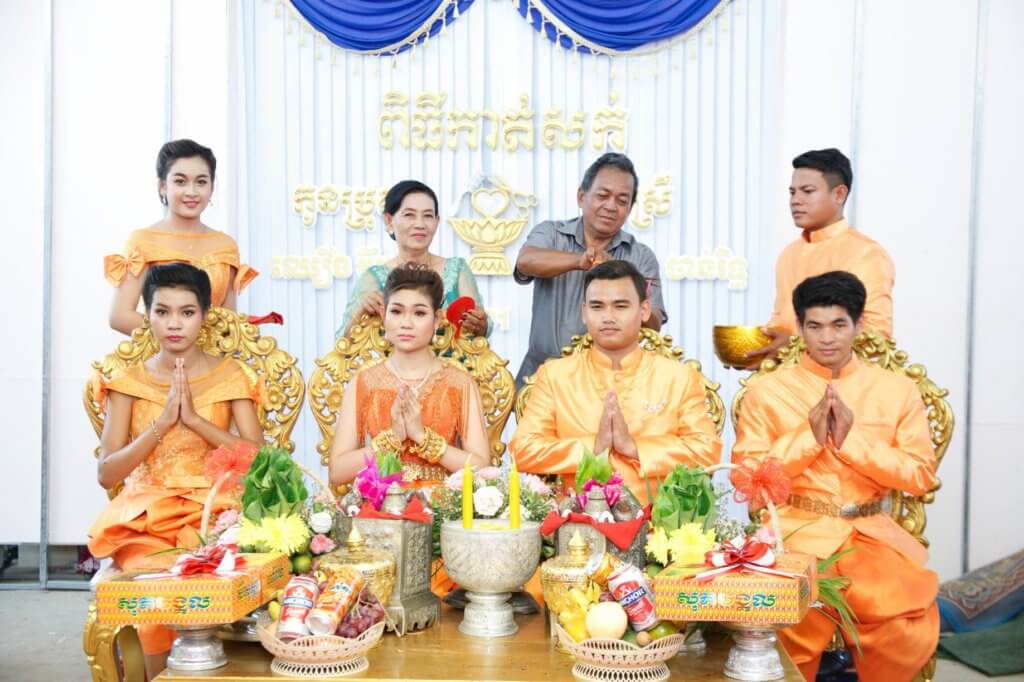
point(388, 463)
point(686, 496)
point(273, 486)
point(830, 593)
point(592, 468)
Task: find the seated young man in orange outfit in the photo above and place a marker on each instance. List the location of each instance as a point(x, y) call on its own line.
point(847, 434)
point(648, 411)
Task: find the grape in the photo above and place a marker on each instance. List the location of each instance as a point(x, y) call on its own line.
point(606, 596)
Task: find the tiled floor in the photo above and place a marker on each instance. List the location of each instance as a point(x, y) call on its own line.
point(42, 640)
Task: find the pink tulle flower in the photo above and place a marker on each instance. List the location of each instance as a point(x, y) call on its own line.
point(612, 490)
point(371, 485)
point(321, 544)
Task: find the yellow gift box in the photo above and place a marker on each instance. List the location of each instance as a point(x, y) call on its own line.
point(203, 599)
point(739, 596)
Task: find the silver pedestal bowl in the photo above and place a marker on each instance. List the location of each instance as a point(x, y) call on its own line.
point(490, 562)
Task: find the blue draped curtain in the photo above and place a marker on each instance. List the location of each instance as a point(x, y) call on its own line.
point(378, 25)
point(615, 25)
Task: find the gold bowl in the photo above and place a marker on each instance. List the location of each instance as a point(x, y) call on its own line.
point(733, 342)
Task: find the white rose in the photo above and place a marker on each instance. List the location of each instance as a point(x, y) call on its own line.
point(321, 521)
point(487, 500)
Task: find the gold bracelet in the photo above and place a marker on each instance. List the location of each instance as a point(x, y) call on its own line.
point(152, 425)
point(433, 446)
point(386, 441)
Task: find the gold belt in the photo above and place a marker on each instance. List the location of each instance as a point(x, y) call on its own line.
point(847, 511)
point(414, 471)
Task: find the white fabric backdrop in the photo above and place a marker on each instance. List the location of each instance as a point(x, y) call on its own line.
point(696, 112)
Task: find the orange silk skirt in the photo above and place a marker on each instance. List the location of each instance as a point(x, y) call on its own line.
point(897, 617)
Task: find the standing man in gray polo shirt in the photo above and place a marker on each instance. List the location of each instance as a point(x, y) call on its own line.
point(557, 253)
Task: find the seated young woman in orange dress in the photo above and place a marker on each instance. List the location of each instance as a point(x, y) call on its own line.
point(163, 417)
point(412, 403)
point(185, 172)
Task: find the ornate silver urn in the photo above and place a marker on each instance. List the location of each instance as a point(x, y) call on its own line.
point(412, 606)
point(597, 543)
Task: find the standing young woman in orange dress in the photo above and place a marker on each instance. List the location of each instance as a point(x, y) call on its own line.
point(164, 416)
point(185, 172)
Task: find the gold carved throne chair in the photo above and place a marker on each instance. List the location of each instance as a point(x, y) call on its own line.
point(870, 346)
point(225, 333)
point(652, 342)
point(366, 346)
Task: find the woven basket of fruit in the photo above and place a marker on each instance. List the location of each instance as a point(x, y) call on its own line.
point(617, 653)
point(339, 648)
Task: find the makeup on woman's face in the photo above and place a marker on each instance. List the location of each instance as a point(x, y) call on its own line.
point(410, 320)
point(175, 318)
point(188, 187)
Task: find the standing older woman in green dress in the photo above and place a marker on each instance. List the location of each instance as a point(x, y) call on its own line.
point(411, 218)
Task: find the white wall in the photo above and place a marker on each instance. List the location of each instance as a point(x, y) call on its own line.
point(997, 428)
point(893, 84)
point(21, 214)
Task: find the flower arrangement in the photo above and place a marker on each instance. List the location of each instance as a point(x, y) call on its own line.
point(278, 514)
point(690, 527)
point(374, 479)
point(490, 498)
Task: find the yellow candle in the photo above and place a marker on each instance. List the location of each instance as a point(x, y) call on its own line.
point(513, 497)
point(467, 496)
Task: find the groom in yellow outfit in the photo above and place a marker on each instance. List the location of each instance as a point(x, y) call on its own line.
point(648, 411)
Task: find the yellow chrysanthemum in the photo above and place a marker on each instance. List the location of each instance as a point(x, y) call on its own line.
point(657, 545)
point(287, 534)
point(689, 543)
point(251, 535)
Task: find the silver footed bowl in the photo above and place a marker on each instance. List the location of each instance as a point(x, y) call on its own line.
point(490, 561)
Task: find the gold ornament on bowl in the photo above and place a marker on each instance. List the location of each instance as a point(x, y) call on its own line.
point(489, 234)
point(733, 342)
point(377, 566)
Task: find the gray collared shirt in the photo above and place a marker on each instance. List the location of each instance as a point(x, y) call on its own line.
point(557, 300)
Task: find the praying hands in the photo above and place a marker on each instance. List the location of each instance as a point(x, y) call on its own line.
point(612, 432)
point(830, 417)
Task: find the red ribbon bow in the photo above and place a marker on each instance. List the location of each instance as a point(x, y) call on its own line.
point(752, 555)
point(414, 511)
point(759, 482)
point(621, 533)
point(457, 311)
point(223, 560)
point(209, 560)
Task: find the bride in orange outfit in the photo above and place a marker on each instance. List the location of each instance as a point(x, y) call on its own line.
point(412, 403)
point(186, 172)
point(164, 416)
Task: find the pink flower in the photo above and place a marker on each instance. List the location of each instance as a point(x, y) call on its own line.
point(454, 481)
point(371, 485)
point(225, 520)
point(321, 544)
point(765, 534)
point(612, 490)
point(535, 485)
point(489, 474)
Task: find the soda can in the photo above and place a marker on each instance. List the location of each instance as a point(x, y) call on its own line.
point(629, 587)
point(299, 596)
point(342, 590)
